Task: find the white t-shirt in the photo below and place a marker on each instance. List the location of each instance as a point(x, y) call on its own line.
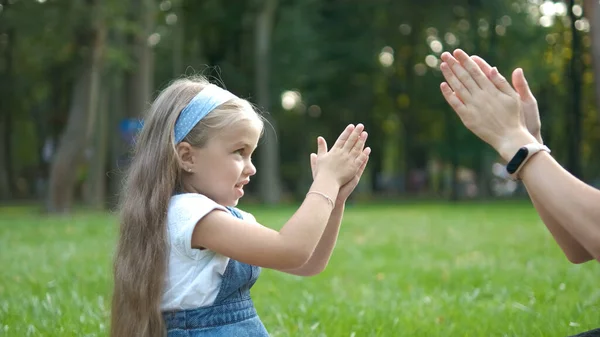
point(193, 276)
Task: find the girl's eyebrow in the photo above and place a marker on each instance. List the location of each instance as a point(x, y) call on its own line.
point(242, 143)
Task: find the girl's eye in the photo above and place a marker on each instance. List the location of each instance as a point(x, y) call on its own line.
point(240, 151)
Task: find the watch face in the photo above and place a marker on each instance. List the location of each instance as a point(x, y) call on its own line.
point(517, 160)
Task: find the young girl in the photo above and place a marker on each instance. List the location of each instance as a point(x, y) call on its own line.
point(186, 257)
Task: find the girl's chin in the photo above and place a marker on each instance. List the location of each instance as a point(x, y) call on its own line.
point(239, 193)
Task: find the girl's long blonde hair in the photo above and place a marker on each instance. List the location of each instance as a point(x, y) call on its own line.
point(153, 177)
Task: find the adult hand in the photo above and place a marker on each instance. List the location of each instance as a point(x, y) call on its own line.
point(489, 107)
point(530, 114)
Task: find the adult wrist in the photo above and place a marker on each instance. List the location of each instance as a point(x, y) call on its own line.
point(513, 142)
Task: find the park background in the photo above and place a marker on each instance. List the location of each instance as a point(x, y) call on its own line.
point(436, 240)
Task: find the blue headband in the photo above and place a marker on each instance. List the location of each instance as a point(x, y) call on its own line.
point(204, 102)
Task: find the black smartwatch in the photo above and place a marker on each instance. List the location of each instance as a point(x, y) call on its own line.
point(522, 156)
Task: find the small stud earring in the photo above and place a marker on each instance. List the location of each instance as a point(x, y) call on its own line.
point(189, 169)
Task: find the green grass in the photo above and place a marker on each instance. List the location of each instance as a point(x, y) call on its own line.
point(408, 270)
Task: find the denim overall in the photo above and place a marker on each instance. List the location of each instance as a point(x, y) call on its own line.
point(232, 314)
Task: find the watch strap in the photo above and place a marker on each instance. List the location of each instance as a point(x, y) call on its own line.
point(523, 155)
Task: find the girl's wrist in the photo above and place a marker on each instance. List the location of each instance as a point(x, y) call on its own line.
point(340, 202)
point(326, 184)
point(323, 177)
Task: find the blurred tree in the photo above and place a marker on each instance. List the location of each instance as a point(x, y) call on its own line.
point(573, 109)
point(591, 11)
point(344, 62)
point(137, 36)
point(7, 34)
point(82, 112)
point(270, 184)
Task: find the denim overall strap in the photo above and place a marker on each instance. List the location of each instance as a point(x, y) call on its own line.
point(234, 211)
point(231, 314)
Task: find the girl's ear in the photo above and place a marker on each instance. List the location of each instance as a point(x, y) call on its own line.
point(185, 156)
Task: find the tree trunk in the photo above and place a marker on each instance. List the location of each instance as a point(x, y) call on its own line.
point(270, 183)
point(592, 13)
point(138, 85)
point(574, 109)
point(117, 149)
point(140, 80)
point(406, 112)
point(7, 187)
point(98, 132)
point(451, 123)
point(97, 174)
point(5, 193)
point(75, 138)
point(486, 158)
